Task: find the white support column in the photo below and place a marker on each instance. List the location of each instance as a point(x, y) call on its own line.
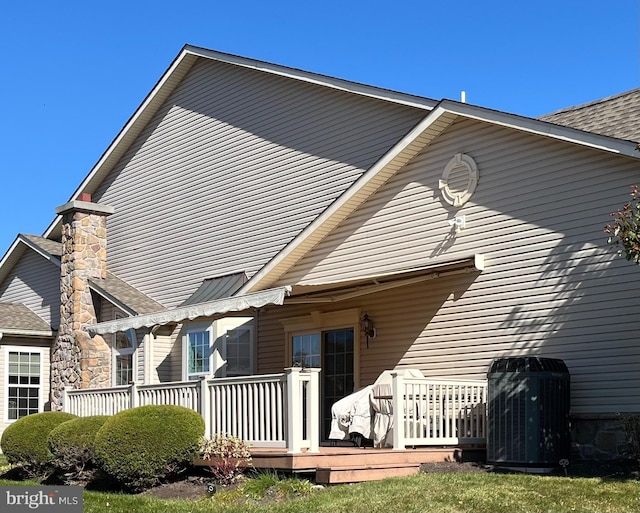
point(147, 344)
point(397, 401)
point(64, 404)
point(294, 410)
point(133, 395)
point(313, 409)
point(205, 406)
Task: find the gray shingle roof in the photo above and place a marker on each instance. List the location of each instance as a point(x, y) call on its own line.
point(113, 287)
point(16, 316)
point(47, 245)
point(615, 116)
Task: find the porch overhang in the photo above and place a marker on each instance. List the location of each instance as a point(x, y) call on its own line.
point(208, 310)
point(336, 291)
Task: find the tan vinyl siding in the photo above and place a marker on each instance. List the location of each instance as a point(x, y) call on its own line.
point(167, 356)
point(34, 282)
point(45, 346)
point(240, 161)
point(108, 312)
point(552, 286)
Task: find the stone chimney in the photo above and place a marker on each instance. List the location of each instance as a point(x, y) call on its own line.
point(77, 359)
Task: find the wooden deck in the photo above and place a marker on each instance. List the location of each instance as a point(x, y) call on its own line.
point(353, 464)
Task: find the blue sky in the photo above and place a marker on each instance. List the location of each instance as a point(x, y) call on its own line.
point(74, 72)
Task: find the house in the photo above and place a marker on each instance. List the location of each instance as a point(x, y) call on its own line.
point(249, 217)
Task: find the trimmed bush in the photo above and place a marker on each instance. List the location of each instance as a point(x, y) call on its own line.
point(25, 441)
point(143, 446)
point(72, 445)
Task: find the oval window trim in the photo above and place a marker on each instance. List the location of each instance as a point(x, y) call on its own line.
point(455, 194)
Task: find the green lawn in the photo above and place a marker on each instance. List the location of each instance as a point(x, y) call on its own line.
point(456, 492)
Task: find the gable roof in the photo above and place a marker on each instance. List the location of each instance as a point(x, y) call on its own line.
point(112, 288)
point(49, 249)
point(615, 116)
point(17, 319)
point(434, 123)
point(124, 296)
point(172, 78)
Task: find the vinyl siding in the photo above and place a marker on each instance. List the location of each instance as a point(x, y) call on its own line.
point(108, 312)
point(233, 166)
point(42, 344)
point(34, 282)
point(167, 359)
point(552, 286)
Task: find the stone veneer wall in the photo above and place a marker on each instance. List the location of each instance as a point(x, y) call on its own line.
point(602, 438)
point(77, 359)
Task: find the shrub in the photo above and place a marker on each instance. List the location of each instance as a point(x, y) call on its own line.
point(72, 444)
point(25, 441)
point(143, 446)
point(227, 457)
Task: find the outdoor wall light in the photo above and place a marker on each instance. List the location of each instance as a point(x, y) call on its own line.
point(368, 328)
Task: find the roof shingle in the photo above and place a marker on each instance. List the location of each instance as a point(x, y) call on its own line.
point(16, 316)
point(615, 116)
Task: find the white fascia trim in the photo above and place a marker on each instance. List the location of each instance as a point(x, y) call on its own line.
point(185, 58)
point(20, 239)
point(122, 135)
point(40, 251)
point(115, 302)
point(316, 78)
point(344, 199)
point(9, 253)
point(28, 333)
point(544, 128)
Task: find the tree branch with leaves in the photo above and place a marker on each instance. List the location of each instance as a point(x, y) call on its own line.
point(624, 231)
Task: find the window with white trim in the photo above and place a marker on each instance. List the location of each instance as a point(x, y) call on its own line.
point(24, 377)
point(198, 353)
point(123, 361)
point(239, 351)
point(222, 348)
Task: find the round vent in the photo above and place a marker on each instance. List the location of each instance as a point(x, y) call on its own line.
point(459, 180)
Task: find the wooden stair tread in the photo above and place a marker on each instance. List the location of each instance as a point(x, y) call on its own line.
point(339, 475)
point(366, 466)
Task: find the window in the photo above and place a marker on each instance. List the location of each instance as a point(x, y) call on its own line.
point(24, 381)
point(238, 351)
point(124, 348)
point(222, 348)
point(306, 350)
point(198, 353)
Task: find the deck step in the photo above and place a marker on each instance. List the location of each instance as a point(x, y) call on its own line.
point(330, 457)
point(356, 474)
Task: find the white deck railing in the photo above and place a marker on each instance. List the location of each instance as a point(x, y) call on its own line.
point(283, 410)
point(109, 401)
point(437, 412)
point(264, 410)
